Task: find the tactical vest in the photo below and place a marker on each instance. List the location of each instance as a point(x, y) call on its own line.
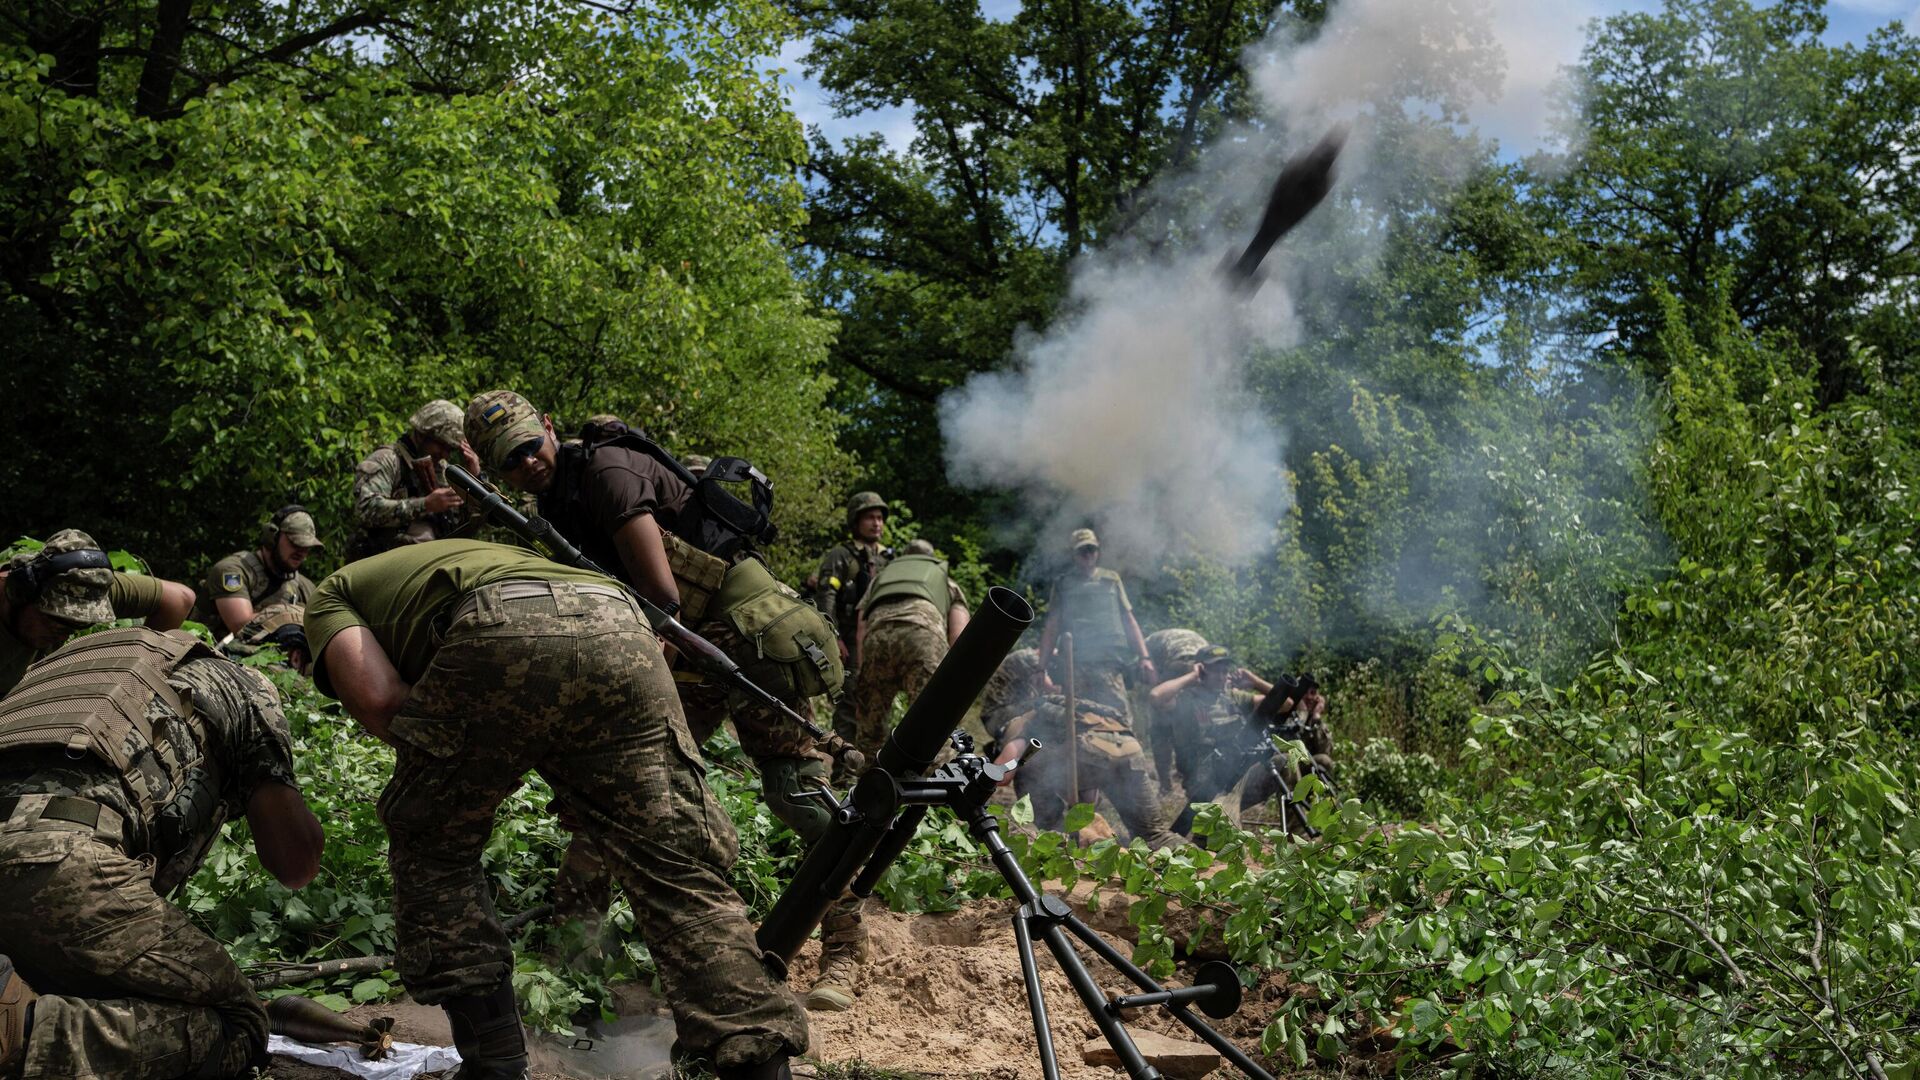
point(90, 699)
point(920, 577)
point(715, 520)
point(1090, 610)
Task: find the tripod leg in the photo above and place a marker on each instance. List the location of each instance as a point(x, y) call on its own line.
point(1180, 1012)
point(1095, 999)
point(1036, 997)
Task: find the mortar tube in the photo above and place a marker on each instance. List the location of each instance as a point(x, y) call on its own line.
point(839, 856)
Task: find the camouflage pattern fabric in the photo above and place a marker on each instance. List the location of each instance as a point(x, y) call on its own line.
point(1011, 690)
point(77, 596)
point(898, 657)
point(245, 573)
point(1111, 763)
point(130, 986)
point(390, 502)
point(1103, 684)
point(539, 683)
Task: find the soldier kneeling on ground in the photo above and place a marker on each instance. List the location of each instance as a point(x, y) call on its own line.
point(120, 758)
point(1110, 761)
point(1220, 717)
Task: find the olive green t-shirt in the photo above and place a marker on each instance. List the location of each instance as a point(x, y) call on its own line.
point(133, 596)
point(244, 573)
point(401, 594)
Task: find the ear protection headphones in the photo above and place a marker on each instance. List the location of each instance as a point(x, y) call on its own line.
point(28, 583)
point(271, 530)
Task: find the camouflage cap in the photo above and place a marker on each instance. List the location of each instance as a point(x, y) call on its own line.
point(1084, 538)
point(1214, 654)
point(497, 422)
point(268, 619)
point(439, 419)
point(1174, 647)
point(76, 596)
point(299, 528)
point(696, 463)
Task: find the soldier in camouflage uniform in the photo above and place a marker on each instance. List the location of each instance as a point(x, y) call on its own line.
point(47, 596)
point(280, 626)
point(1111, 762)
point(246, 581)
point(628, 511)
point(174, 742)
point(1172, 650)
point(846, 570)
point(1013, 689)
point(478, 662)
point(400, 492)
point(911, 613)
point(1221, 742)
point(1090, 602)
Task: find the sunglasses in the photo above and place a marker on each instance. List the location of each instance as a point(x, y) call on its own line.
point(519, 454)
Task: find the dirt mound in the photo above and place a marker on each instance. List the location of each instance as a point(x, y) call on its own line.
point(942, 996)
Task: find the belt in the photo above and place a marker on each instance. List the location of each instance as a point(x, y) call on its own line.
point(19, 812)
point(522, 590)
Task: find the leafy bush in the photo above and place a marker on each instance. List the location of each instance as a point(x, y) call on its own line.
point(1391, 781)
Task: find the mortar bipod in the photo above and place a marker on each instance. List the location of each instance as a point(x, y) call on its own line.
point(964, 786)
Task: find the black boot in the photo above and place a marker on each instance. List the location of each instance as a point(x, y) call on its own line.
point(774, 1068)
point(486, 1031)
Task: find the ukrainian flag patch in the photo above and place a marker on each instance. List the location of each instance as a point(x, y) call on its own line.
point(494, 413)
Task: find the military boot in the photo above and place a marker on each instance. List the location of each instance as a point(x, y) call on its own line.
point(16, 1015)
point(843, 948)
point(486, 1031)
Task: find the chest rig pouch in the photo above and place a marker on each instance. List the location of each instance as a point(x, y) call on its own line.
point(791, 648)
point(91, 699)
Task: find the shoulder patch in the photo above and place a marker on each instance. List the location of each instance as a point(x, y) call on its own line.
point(230, 581)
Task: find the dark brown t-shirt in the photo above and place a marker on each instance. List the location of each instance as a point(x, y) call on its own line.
point(592, 497)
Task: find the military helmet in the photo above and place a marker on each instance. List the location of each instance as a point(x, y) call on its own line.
point(438, 419)
point(498, 422)
point(68, 579)
point(918, 547)
point(1174, 648)
point(861, 502)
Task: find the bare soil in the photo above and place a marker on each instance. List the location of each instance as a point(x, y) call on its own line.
point(941, 996)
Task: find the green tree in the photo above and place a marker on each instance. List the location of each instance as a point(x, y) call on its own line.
point(252, 238)
point(1721, 141)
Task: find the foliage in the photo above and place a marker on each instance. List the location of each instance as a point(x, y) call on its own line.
point(261, 254)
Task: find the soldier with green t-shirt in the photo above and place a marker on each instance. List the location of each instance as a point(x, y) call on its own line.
point(479, 662)
point(1090, 602)
point(246, 581)
point(911, 613)
point(67, 586)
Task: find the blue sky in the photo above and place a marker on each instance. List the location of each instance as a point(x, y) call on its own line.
point(1848, 21)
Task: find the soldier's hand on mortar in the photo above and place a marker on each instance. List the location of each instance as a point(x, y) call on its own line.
point(440, 500)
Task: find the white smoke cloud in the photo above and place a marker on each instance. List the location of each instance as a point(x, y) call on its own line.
point(1131, 411)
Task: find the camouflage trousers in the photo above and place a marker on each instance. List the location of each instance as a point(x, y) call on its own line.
point(572, 684)
point(129, 986)
point(1111, 764)
point(783, 754)
point(1101, 683)
point(896, 658)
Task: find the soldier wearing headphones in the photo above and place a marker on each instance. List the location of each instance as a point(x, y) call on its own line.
point(246, 581)
point(49, 595)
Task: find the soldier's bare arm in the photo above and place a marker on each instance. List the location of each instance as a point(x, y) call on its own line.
point(1147, 671)
point(957, 617)
point(234, 612)
point(286, 835)
point(1047, 635)
point(176, 602)
point(644, 557)
point(365, 680)
point(1162, 694)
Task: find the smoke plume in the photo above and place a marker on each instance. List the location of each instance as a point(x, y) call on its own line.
point(1131, 412)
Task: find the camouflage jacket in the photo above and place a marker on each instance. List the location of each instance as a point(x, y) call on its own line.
point(390, 491)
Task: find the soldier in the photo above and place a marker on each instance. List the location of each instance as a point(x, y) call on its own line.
point(1216, 706)
point(246, 581)
point(1013, 689)
point(67, 586)
point(1172, 733)
point(845, 572)
point(632, 513)
point(477, 662)
point(102, 976)
point(909, 616)
point(400, 492)
point(280, 626)
point(1091, 603)
point(1110, 761)
point(1296, 711)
